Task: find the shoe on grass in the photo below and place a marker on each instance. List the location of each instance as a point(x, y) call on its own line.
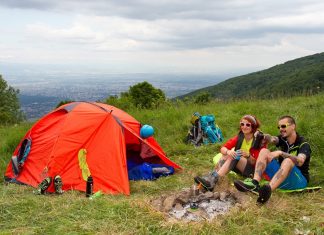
point(58, 184)
point(43, 186)
point(264, 193)
point(248, 185)
point(208, 181)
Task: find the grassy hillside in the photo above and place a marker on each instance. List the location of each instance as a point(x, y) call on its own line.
point(296, 77)
point(21, 212)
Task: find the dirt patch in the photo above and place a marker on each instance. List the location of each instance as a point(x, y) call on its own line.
point(194, 204)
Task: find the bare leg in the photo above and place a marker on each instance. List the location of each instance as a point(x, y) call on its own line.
point(221, 162)
point(285, 168)
point(264, 158)
point(241, 164)
point(225, 168)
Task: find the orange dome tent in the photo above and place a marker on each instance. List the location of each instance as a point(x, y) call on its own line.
point(104, 134)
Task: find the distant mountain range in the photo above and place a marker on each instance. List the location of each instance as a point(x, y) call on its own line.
point(302, 76)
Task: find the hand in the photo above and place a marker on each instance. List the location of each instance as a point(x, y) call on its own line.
point(256, 133)
point(231, 153)
point(245, 154)
point(267, 138)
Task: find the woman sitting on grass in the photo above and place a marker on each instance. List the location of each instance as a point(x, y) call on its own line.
point(237, 154)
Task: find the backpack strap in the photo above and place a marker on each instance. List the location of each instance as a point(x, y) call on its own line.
point(239, 140)
point(237, 146)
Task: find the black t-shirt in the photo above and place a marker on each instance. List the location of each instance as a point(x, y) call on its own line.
point(300, 146)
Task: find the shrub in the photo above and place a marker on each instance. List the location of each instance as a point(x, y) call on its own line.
point(9, 104)
point(144, 95)
point(202, 98)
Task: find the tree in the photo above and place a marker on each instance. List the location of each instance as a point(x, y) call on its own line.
point(202, 98)
point(9, 104)
point(123, 102)
point(144, 95)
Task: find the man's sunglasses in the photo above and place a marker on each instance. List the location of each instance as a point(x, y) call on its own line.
point(245, 124)
point(283, 126)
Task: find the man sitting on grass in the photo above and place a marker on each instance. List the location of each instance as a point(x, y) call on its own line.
point(287, 168)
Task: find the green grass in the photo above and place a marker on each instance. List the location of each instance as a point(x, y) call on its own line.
point(21, 212)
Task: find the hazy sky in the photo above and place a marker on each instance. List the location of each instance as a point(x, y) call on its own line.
point(163, 36)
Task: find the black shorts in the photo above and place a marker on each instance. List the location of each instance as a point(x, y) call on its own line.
point(247, 172)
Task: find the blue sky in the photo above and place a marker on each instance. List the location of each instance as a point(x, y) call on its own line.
point(165, 36)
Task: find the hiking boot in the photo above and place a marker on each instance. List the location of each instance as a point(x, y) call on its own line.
point(43, 186)
point(208, 181)
point(58, 184)
point(264, 193)
point(248, 185)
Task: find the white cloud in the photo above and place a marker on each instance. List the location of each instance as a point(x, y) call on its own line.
point(302, 22)
point(75, 34)
point(144, 35)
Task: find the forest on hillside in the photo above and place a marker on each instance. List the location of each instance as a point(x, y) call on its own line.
point(303, 76)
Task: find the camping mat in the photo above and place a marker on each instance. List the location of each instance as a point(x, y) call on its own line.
point(303, 190)
point(82, 156)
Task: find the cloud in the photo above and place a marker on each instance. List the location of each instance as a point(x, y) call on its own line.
point(172, 9)
point(116, 33)
point(75, 34)
point(165, 34)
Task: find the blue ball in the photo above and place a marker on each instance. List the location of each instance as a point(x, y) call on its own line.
point(146, 131)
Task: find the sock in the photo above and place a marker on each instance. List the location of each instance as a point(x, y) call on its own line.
point(215, 174)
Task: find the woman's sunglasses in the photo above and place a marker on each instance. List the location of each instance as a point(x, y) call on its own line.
point(245, 124)
point(283, 126)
